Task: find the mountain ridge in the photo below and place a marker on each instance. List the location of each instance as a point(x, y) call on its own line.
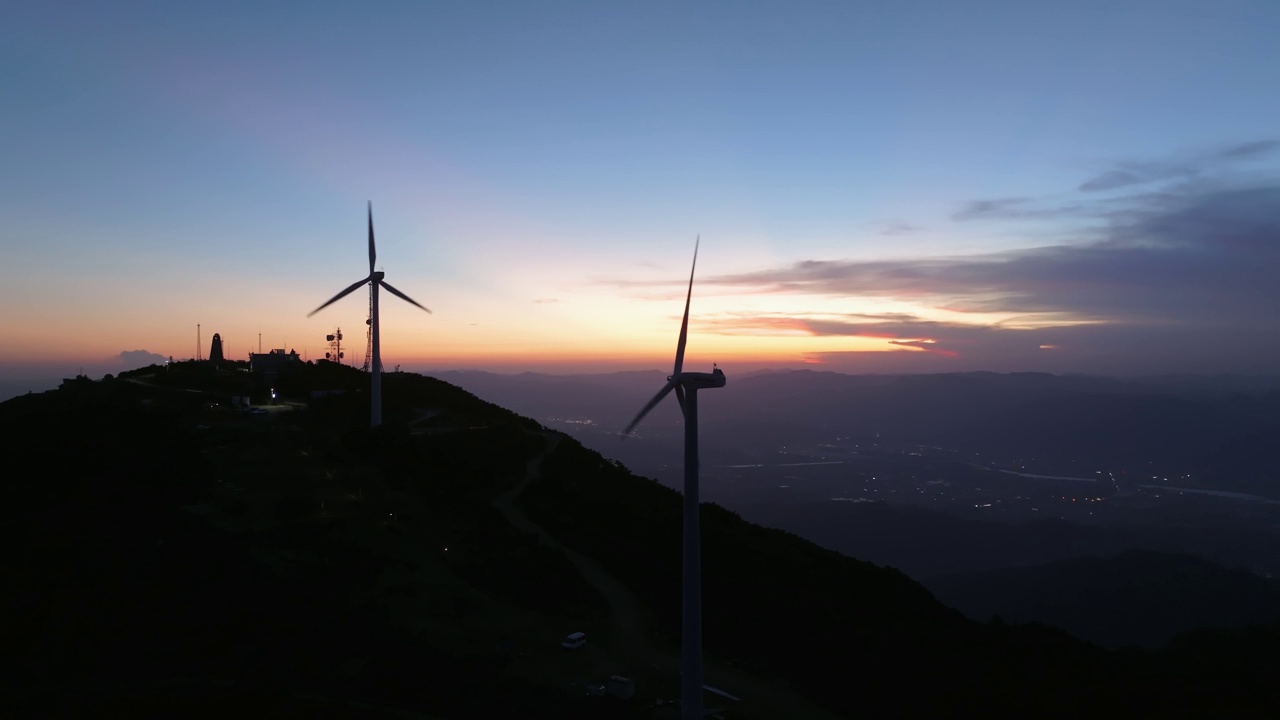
point(170, 511)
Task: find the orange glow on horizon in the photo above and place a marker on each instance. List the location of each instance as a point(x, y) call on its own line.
point(702, 350)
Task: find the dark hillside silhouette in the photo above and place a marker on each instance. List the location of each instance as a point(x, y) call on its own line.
point(1135, 598)
point(179, 557)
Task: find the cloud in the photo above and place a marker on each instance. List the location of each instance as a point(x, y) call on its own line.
point(892, 317)
point(1112, 179)
point(998, 207)
point(1105, 348)
point(1253, 149)
point(759, 324)
point(1174, 277)
point(930, 345)
point(544, 301)
point(133, 359)
point(1018, 208)
point(899, 229)
point(1170, 279)
point(1141, 173)
point(1135, 174)
point(1206, 258)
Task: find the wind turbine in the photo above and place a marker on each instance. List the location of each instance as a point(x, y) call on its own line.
point(686, 386)
point(375, 280)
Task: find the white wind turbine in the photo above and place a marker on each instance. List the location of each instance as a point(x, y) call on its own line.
point(686, 386)
point(374, 281)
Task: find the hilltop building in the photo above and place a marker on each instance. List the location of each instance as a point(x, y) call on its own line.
point(275, 361)
point(215, 349)
point(274, 365)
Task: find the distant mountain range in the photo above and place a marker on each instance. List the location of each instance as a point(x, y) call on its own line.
point(1134, 598)
point(926, 544)
point(1219, 429)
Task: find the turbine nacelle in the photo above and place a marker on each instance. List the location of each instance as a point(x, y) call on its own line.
point(701, 380)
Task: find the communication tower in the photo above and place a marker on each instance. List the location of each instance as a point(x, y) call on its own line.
point(335, 346)
point(368, 343)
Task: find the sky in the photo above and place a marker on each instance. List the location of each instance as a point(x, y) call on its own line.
point(878, 187)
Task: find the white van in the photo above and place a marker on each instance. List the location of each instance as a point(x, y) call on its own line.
point(574, 641)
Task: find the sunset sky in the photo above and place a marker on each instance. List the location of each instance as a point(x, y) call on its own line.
point(879, 187)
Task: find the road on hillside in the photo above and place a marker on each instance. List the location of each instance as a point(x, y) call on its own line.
point(629, 615)
point(632, 618)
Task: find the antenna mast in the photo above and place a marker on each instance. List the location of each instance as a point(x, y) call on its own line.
point(368, 345)
point(335, 347)
point(197, 341)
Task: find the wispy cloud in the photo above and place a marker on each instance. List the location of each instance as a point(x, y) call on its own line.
point(1135, 174)
point(1014, 209)
point(1253, 149)
point(1169, 279)
point(1140, 173)
point(899, 229)
point(1207, 258)
point(997, 207)
point(1161, 275)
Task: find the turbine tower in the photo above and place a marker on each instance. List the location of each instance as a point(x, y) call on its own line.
point(374, 281)
point(686, 386)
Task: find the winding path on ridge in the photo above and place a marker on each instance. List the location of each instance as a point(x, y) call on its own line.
point(630, 616)
point(632, 619)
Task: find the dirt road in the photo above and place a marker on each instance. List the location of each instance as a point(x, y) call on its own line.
point(632, 621)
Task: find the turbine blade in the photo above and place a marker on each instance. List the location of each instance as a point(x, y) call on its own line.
point(672, 383)
point(372, 253)
point(680, 397)
point(399, 294)
point(684, 324)
point(340, 295)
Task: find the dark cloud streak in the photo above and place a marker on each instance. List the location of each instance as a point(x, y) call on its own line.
point(1183, 269)
point(997, 207)
point(1013, 209)
point(899, 229)
point(1209, 259)
point(1176, 277)
point(1135, 173)
point(1253, 149)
